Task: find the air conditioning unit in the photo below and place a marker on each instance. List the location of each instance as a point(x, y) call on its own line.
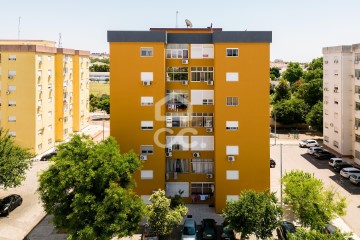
point(231, 158)
point(143, 157)
point(169, 154)
point(185, 61)
point(210, 83)
point(146, 83)
point(185, 82)
point(196, 154)
point(8, 92)
point(209, 175)
point(209, 130)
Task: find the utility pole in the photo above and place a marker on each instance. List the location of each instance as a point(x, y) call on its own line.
point(281, 201)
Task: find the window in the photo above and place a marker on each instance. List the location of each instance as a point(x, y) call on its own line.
point(12, 103)
point(177, 51)
point(326, 125)
point(49, 140)
point(202, 166)
point(357, 89)
point(202, 120)
point(232, 197)
point(147, 101)
point(12, 88)
point(336, 89)
point(180, 143)
point(147, 174)
point(357, 74)
point(146, 149)
point(12, 118)
point(147, 125)
point(177, 120)
point(49, 58)
point(146, 52)
point(232, 150)
point(40, 146)
point(232, 125)
point(336, 101)
point(357, 138)
point(49, 127)
point(336, 144)
point(49, 113)
point(336, 60)
point(231, 101)
point(202, 74)
point(336, 129)
point(12, 133)
point(39, 117)
point(326, 138)
point(326, 112)
point(177, 99)
point(11, 74)
point(232, 52)
point(201, 51)
point(357, 123)
point(12, 57)
point(202, 143)
point(202, 97)
point(232, 175)
point(147, 76)
point(357, 154)
point(177, 74)
point(202, 188)
point(177, 165)
point(232, 76)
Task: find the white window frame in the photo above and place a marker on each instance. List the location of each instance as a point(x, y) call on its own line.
point(182, 141)
point(232, 125)
point(147, 125)
point(202, 143)
point(12, 57)
point(234, 52)
point(202, 97)
point(147, 101)
point(12, 103)
point(12, 119)
point(232, 175)
point(149, 52)
point(232, 150)
point(146, 76)
point(232, 197)
point(232, 76)
point(147, 174)
point(147, 152)
point(232, 101)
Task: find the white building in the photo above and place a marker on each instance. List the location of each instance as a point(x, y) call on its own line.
point(342, 100)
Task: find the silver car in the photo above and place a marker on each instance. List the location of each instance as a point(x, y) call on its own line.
point(355, 179)
point(346, 172)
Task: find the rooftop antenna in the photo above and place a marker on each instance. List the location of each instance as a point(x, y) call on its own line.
point(177, 12)
point(19, 28)
point(60, 43)
point(188, 23)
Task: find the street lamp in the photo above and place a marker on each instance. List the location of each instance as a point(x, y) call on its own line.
point(275, 126)
point(281, 202)
point(103, 122)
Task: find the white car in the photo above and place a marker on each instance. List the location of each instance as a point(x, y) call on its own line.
point(334, 161)
point(308, 143)
point(312, 150)
point(355, 179)
point(346, 172)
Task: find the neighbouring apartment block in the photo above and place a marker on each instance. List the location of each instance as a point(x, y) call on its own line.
point(193, 103)
point(342, 100)
point(44, 92)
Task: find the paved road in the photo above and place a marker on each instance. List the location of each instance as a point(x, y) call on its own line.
point(294, 157)
point(25, 217)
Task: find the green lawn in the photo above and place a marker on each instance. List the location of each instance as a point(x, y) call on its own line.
point(99, 88)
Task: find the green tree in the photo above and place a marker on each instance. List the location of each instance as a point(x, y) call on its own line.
point(315, 117)
point(253, 213)
point(103, 60)
point(274, 73)
point(296, 85)
point(312, 204)
point(272, 89)
point(314, 70)
point(162, 218)
point(290, 111)
point(14, 161)
point(94, 101)
point(99, 68)
point(89, 190)
point(311, 92)
point(293, 72)
point(104, 103)
point(302, 233)
point(282, 91)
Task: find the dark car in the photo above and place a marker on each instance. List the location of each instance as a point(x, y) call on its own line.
point(209, 229)
point(324, 155)
point(47, 156)
point(272, 163)
point(285, 228)
point(149, 233)
point(189, 231)
point(9, 203)
point(339, 166)
point(227, 233)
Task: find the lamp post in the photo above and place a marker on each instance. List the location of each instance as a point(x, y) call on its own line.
point(103, 122)
point(281, 202)
point(275, 127)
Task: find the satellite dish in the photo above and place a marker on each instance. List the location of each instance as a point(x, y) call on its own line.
point(188, 23)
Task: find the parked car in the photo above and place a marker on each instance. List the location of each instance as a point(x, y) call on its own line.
point(209, 229)
point(9, 203)
point(308, 143)
point(47, 156)
point(272, 163)
point(330, 229)
point(355, 179)
point(189, 231)
point(227, 233)
point(346, 172)
point(324, 155)
point(149, 233)
point(312, 150)
point(285, 228)
point(339, 166)
point(333, 161)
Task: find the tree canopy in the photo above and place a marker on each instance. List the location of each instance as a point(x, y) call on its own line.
point(311, 92)
point(99, 68)
point(315, 117)
point(293, 72)
point(274, 73)
point(14, 161)
point(302, 233)
point(89, 190)
point(282, 91)
point(161, 216)
point(290, 111)
point(253, 213)
point(312, 204)
point(102, 102)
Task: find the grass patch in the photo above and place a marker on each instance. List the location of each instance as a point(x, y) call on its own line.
point(99, 88)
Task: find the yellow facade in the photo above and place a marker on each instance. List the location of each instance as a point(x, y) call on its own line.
point(198, 143)
point(29, 76)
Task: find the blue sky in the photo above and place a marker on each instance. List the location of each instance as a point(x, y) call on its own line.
point(300, 28)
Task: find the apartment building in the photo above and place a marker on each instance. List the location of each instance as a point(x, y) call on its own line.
point(193, 103)
point(33, 90)
point(341, 106)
